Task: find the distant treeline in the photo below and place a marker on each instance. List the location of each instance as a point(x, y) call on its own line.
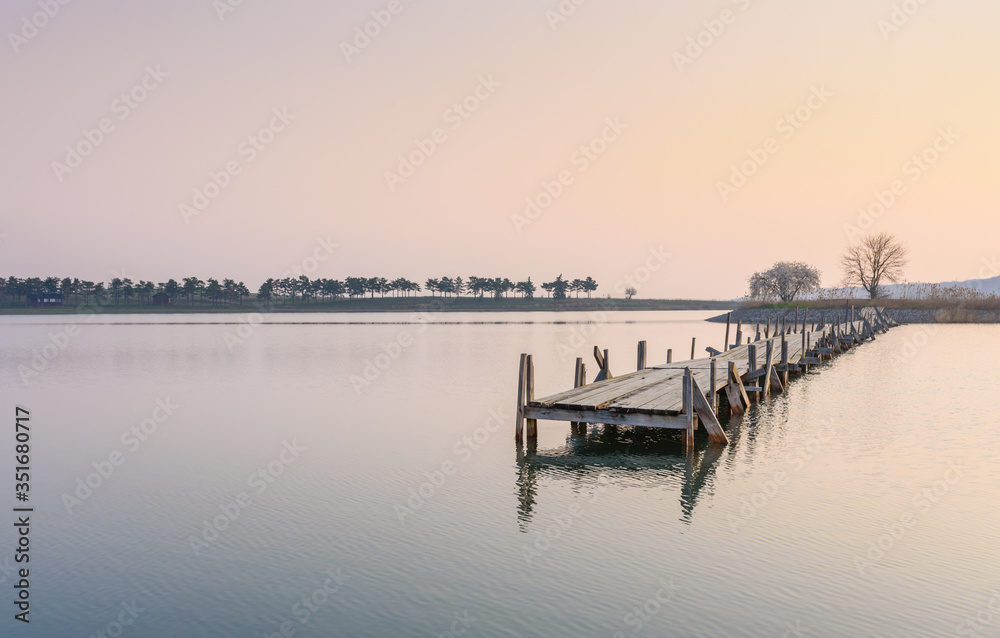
point(301, 289)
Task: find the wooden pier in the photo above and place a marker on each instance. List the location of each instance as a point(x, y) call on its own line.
point(684, 395)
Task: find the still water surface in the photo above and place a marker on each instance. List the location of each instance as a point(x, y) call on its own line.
point(863, 502)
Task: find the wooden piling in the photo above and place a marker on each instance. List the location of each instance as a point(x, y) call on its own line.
point(693, 340)
point(529, 395)
point(578, 380)
point(768, 369)
point(688, 409)
point(521, 374)
point(670, 355)
point(714, 382)
point(729, 323)
point(739, 333)
point(640, 361)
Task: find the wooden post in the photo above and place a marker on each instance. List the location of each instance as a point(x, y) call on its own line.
point(522, 371)
point(739, 333)
point(729, 323)
point(752, 367)
point(640, 361)
point(714, 382)
point(578, 380)
point(688, 403)
point(784, 359)
point(796, 318)
point(768, 369)
point(670, 355)
point(529, 385)
point(767, 330)
point(757, 336)
point(693, 340)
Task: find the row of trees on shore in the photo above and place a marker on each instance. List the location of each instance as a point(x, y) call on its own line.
point(301, 289)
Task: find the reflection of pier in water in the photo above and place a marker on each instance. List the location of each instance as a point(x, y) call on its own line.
point(652, 456)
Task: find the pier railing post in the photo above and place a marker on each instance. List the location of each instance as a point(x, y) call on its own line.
point(521, 373)
point(688, 403)
point(529, 392)
point(729, 323)
point(640, 360)
point(714, 382)
point(578, 380)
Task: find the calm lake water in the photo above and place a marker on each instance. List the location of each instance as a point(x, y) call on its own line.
point(863, 502)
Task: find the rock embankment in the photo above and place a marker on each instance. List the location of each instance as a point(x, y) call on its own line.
point(904, 315)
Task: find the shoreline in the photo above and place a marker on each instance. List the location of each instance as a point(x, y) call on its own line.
point(386, 305)
point(900, 315)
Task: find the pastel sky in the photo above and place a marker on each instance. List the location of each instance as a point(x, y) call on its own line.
point(869, 87)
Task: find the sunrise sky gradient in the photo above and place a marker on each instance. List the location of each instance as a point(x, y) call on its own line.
point(888, 96)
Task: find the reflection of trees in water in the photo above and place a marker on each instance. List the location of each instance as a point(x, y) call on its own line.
point(651, 457)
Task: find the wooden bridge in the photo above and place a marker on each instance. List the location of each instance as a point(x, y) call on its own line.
point(683, 395)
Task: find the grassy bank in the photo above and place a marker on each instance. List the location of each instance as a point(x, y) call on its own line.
point(976, 309)
point(984, 303)
point(393, 304)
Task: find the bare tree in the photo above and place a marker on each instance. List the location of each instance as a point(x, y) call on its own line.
point(630, 292)
point(785, 280)
point(876, 258)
